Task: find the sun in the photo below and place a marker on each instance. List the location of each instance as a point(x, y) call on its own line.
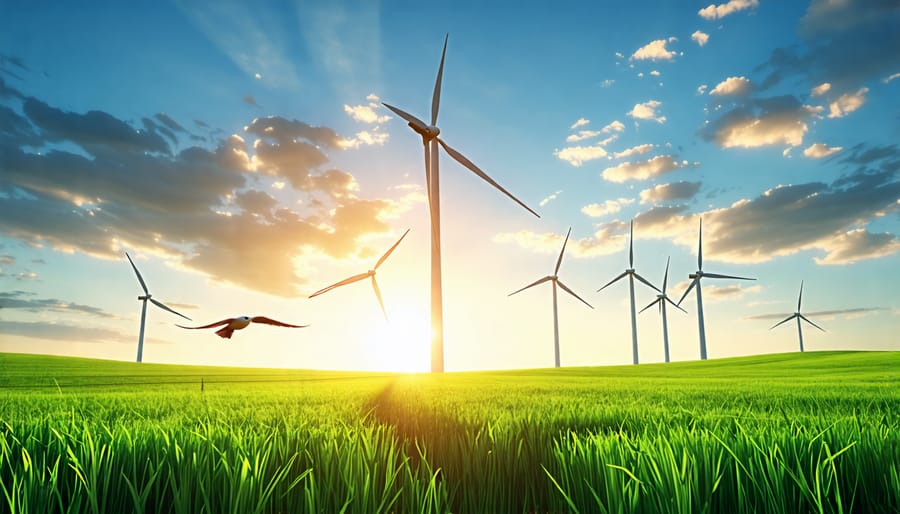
point(402, 342)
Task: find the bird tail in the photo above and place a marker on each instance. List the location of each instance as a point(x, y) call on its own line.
point(225, 332)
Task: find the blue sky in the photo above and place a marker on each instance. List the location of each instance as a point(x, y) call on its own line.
point(241, 154)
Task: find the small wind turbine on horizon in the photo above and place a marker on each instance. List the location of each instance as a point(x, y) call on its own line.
point(144, 298)
point(696, 277)
point(554, 278)
point(631, 274)
point(799, 316)
point(661, 299)
point(363, 276)
point(431, 142)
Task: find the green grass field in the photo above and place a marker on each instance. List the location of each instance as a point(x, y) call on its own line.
point(815, 432)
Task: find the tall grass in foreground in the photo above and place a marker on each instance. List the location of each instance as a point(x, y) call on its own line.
point(780, 435)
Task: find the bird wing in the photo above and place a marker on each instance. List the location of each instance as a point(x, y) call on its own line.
point(270, 321)
point(211, 325)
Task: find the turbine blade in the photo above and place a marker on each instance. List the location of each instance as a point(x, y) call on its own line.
point(138, 273)
point(566, 289)
point(676, 305)
point(611, 282)
point(642, 279)
point(354, 278)
point(666, 276)
point(804, 318)
point(387, 253)
point(559, 260)
point(436, 99)
point(717, 275)
point(536, 282)
point(378, 295)
point(412, 120)
point(693, 283)
point(700, 248)
point(785, 320)
point(468, 164)
point(631, 247)
point(165, 307)
point(800, 298)
point(651, 304)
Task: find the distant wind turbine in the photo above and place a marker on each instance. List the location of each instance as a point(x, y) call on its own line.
point(631, 274)
point(799, 316)
point(363, 276)
point(431, 141)
point(696, 276)
point(554, 278)
point(661, 299)
point(144, 298)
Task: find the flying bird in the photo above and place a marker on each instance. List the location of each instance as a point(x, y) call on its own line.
point(241, 322)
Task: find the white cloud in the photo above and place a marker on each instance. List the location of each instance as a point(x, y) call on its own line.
point(700, 37)
point(641, 170)
point(890, 78)
point(701, 89)
point(819, 150)
point(615, 126)
point(763, 122)
point(739, 86)
point(598, 210)
point(667, 192)
point(607, 83)
point(655, 50)
point(578, 155)
point(549, 199)
point(821, 89)
point(582, 135)
point(712, 11)
point(634, 150)
point(655, 73)
point(580, 123)
point(856, 245)
point(847, 103)
point(647, 111)
point(375, 137)
point(365, 113)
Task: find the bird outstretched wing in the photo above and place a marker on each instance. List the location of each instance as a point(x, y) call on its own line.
point(211, 325)
point(270, 321)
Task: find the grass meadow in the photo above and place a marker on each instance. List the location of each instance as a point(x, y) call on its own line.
point(816, 432)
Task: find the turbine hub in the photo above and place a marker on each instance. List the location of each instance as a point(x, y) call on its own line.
point(630, 271)
point(428, 132)
point(143, 298)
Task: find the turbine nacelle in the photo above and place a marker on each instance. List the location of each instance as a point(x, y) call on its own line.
point(428, 132)
point(144, 298)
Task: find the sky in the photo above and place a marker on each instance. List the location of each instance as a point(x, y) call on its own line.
point(241, 154)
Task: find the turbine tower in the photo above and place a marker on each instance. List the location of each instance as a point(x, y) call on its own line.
point(144, 298)
point(363, 276)
point(799, 316)
point(661, 299)
point(554, 279)
point(431, 142)
point(631, 274)
point(696, 277)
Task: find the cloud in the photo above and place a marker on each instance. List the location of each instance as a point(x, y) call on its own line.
point(847, 103)
point(729, 292)
point(647, 111)
point(856, 245)
point(598, 210)
point(700, 37)
point(26, 301)
point(713, 12)
point(641, 170)
point(578, 155)
point(615, 126)
point(668, 192)
point(366, 113)
point(890, 78)
point(580, 123)
point(366, 138)
point(634, 150)
point(7, 260)
point(608, 240)
point(733, 86)
point(819, 150)
point(61, 332)
point(701, 89)
point(655, 51)
point(821, 89)
point(762, 122)
point(549, 199)
point(582, 135)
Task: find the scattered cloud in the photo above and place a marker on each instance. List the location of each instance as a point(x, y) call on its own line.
point(366, 113)
point(615, 126)
point(819, 150)
point(890, 78)
point(762, 122)
point(647, 111)
point(641, 170)
point(549, 199)
point(701, 89)
point(700, 37)
point(62, 332)
point(582, 135)
point(605, 241)
point(27, 301)
point(655, 51)
point(598, 210)
point(728, 292)
point(578, 155)
point(733, 86)
point(668, 192)
point(847, 103)
point(634, 150)
point(856, 245)
point(714, 12)
point(607, 83)
point(580, 123)
point(821, 89)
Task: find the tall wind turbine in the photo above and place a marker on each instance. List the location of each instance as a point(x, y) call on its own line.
point(363, 276)
point(147, 296)
point(631, 274)
point(430, 140)
point(696, 277)
point(799, 316)
point(554, 279)
point(661, 299)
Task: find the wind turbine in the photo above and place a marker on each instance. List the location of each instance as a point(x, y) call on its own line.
point(147, 296)
point(799, 316)
point(661, 299)
point(363, 276)
point(554, 278)
point(696, 277)
point(430, 140)
point(631, 274)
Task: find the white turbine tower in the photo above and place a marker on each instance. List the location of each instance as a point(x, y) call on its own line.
point(554, 279)
point(147, 296)
point(431, 141)
point(363, 276)
point(799, 316)
point(631, 274)
point(696, 277)
point(661, 299)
